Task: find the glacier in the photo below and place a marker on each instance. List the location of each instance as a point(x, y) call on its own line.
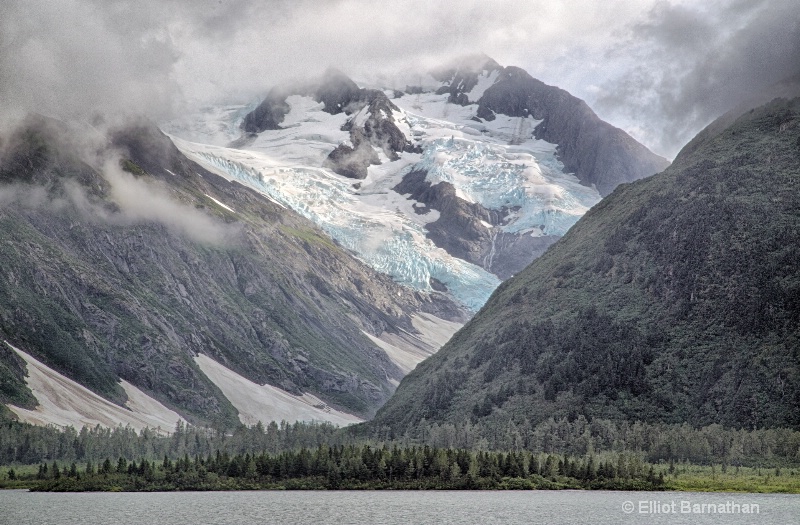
point(496, 164)
point(385, 239)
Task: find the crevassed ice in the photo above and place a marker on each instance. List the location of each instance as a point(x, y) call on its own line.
point(497, 164)
point(386, 241)
point(536, 195)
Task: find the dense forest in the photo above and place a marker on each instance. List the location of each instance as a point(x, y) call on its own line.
point(564, 454)
point(24, 444)
point(356, 467)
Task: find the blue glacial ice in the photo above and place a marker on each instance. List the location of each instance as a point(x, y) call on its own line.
point(521, 177)
point(537, 194)
point(386, 241)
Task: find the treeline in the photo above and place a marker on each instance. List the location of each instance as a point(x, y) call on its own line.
point(579, 436)
point(24, 444)
point(357, 467)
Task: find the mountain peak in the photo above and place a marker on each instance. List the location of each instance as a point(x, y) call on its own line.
point(596, 152)
point(336, 91)
point(465, 65)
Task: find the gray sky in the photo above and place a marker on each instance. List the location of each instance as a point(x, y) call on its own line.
point(661, 70)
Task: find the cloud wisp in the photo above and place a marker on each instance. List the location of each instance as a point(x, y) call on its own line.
point(684, 65)
point(141, 202)
point(659, 69)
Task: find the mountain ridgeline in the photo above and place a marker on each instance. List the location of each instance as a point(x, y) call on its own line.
point(596, 152)
point(131, 268)
point(339, 94)
point(676, 299)
point(599, 155)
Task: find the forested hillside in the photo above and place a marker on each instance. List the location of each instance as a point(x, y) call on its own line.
point(675, 299)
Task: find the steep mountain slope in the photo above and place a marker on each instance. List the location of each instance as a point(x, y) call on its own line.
point(596, 152)
point(132, 263)
point(675, 299)
point(444, 200)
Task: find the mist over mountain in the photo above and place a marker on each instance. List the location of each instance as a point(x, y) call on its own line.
point(122, 259)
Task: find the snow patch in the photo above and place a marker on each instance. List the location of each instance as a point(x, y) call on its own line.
point(404, 356)
point(309, 134)
point(63, 402)
point(407, 349)
point(485, 81)
point(220, 203)
point(267, 403)
point(433, 330)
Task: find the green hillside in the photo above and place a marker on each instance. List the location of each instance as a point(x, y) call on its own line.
point(675, 299)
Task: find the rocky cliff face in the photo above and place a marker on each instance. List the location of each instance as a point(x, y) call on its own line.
point(597, 152)
point(130, 267)
point(372, 127)
point(469, 231)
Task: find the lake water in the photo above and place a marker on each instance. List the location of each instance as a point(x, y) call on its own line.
point(397, 507)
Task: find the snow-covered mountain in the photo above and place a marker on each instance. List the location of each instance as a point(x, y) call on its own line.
point(150, 279)
point(415, 183)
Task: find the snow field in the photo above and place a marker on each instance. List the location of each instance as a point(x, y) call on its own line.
point(63, 402)
point(267, 403)
point(497, 164)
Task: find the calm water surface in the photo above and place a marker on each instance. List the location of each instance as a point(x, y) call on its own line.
point(396, 507)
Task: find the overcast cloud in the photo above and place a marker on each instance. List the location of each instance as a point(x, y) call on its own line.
point(660, 70)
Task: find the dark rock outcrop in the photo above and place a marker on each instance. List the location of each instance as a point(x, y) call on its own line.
point(598, 153)
point(269, 114)
point(460, 228)
point(371, 125)
point(337, 92)
point(460, 77)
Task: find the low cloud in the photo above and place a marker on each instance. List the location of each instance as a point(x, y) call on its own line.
point(75, 57)
point(684, 65)
point(141, 201)
point(659, 69)
point(71, 59)
point(136, 200)
point(24, 196)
